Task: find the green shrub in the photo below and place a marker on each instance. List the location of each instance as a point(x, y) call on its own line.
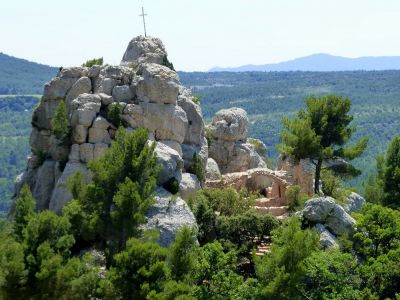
point(332, 186)
point(167, 63)
point(93, 62)
point(114, 114)
point(295, 197)
point(60, 123)
point(258, 146)
point(172, 185)
point(196, 167)
point(196, 99)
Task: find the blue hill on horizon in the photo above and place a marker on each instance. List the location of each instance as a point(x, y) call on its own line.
point(322, 63)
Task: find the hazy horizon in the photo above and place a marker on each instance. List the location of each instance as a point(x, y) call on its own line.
point(200, 35)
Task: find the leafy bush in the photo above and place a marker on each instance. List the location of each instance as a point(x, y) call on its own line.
point(196, 167)
point(172, 185)
point(332, 186)
point(93, 62)
point(115, 113)
point(295, 197)
point(167, 63)
point(196, 98)
point(60, 123)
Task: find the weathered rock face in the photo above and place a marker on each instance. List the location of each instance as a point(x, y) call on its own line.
point(324, 210)
point(212, 170)
point(144, 50)
point(302, 173)
point(228, 145)
point(150, 95)
point(354, 203)
point(169, 216)
point(327, 239)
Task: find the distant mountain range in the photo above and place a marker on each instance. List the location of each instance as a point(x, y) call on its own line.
point(323, 63)
point(20, 76)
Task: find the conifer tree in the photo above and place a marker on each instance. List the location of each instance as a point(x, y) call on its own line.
point(24, 210)
point(320, 132)
point(391, 177)
point(60, 122)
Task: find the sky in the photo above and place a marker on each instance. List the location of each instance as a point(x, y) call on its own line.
point(199, 35)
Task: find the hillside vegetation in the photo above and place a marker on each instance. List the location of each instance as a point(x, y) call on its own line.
point(19, 76)
point(268, 97)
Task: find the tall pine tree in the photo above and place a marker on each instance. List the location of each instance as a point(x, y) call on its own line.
point(320, 132)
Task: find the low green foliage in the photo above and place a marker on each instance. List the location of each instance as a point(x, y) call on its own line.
point(60, 123)
point(167, 63)
point(93, 62)
point(332, 186)
point(172, 185)
point(114, 114)
point(196, 168)
point(196, 98)
point(295, 197)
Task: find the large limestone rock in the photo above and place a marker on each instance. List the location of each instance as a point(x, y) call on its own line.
point(169, 216)
point(195, 128)
point(318, 209)
point(170, 161)
point(47, 175)
point(354, 203)
point(327, 239)
point(230, 125)
point(212, 170)
point(81, 86)
point(228, 146)
point(166, 122)
point(157, 84)
point(61, 194)
point(144, 50)
point(188, 186)
point(324, 210)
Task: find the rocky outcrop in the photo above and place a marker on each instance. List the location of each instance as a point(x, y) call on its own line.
point(228, 146)
point(189, 186)
point(327, 239)
point(212, 170)
point(169, 215)
point(326, 211)
point(354, 203)
point(150, 96)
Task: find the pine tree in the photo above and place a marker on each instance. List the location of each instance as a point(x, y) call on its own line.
point(320, 132)
point(24, 210)
point(60, 122)
point(391, 176)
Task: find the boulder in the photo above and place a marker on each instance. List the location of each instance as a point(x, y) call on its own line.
point(354, 203)
point(39, 140)
point(230, 125)
point(83, 117)
point(212, 170)
point(157, 84)
point(235, 156)
point(87, 102)
point(81, 86)
point(188, 151)
point(101, 123)
point(94, 71)
point(86, 152)
point(99, 135)
point(122, 93)
point(106, 99)
point(168, 215)
point(189, 186)
point(173, 144)
point(166, 122)
point(104, 85)
point(74, 154)
point(99, 150)
point(61, 194)
point(195, 128)
point(79, 134)
point(326, 239)
point(144, 50)
point(318, 209)
point(170, 162)
point(340, 222)
point(73, 72)
point(46, 177)
point(58, 88)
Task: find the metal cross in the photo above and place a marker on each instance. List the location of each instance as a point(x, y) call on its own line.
point(144, 22)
